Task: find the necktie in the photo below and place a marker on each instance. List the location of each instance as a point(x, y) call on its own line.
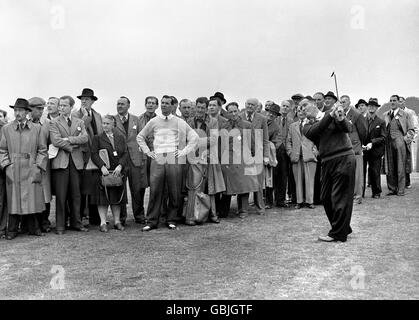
point(69, 122)
point(283, 121)
point(124, 119)
point(301, 127)
point(21, 126)
point(391, 115)
point(249, 117)
point(167, 118)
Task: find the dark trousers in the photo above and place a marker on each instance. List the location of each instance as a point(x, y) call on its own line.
point(374, 174)
point(3, 204)
point(269, 196)
point(67, 187)
point(396, 173)
point(281, 172)
point(43, 216)
point(338, 183)
point(135, 177)
point(161, 174)
point(317, 183)
point(29, 220)
point(242, 204)
point(93, 213)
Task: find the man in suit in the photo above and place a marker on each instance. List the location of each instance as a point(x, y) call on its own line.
point(260, 126)
point(52, 108)
point(338, 167)
point(374, 149)
point(400, 132)
point(185, 106)
point(303, 156)
point(357, 134)
point(151, 104)
point(37, 105)
point(223, 101)
point(68, 134)
point(319, 99)
point(129, 126)
point(414, 119)
point(281, 171)
point(93, 124)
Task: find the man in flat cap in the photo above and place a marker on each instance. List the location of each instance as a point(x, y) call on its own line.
point(93, 123)
point(37, 106)
point(23, 156)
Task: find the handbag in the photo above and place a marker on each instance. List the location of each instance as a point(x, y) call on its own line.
point(110, 181)
point(198, 203)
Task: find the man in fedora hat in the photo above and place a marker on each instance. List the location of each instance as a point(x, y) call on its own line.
point(37, 106)
point(93, 123)
point(329, 100)
point(361, 106)
point(374, 149)
point(272, 112)
point(23, 156)
point(223, 101)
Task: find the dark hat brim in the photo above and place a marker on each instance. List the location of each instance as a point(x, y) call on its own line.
point(94, 98)
point(26, 108)
point(331, 96)
point(221, 99)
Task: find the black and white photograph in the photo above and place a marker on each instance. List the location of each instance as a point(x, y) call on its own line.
point(209, 155)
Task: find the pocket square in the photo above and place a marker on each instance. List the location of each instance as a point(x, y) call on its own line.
point(377, 127)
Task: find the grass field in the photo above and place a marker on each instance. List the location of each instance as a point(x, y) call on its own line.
point(276, 256)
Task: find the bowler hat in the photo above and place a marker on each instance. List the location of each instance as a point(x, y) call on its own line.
point(88, 93)
point(36, 102)
point(21, 103)
point(331, 95)
point(297, 96)
point(360, 101)
point(274, 108)
point(220, 96)
point(373, 103)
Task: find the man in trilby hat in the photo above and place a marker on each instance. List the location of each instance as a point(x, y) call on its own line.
point(23, 156)
point(93, 123)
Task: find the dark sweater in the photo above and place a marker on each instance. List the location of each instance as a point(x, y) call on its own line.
point(331, 136)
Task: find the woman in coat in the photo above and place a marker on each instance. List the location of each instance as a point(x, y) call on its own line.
point(303, 156)
point(113, 144)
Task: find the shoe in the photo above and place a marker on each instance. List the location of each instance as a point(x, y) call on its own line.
point(147, 228)
point(140, 221)
point(103, 228)
point(326, 239)
point(119, 227)
point(59, 232)
point(37, 233)
point(243, 215)
point(311, 206)
point(376, 196)
point(11, 236)
point(190, 223)
point(123, 223)
point(358, 200)
point(3, 236)
point(172, 226)
point(391, 193)
point(283, 205)
point(83, 229)
point(409, 187)
point(268, 206)
point(46, 229)
point(297, 206)
point(261, 212)
point(400, 194)
point(214, 219)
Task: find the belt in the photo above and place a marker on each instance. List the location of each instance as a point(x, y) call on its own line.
point(21, 155)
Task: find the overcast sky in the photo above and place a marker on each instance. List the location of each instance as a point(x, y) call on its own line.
point(266, 49)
